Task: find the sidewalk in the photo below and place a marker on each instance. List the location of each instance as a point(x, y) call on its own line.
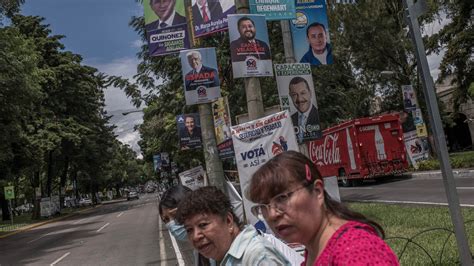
point(436, 174)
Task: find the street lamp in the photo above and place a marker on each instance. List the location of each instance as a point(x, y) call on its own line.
point(133, 111)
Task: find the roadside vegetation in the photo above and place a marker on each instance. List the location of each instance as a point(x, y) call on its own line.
point(458, 160)
point(426, 226)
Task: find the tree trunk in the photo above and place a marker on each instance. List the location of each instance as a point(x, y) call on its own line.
point(36, 202)
point(5, 210)
point(62, 181)
point(49, 174)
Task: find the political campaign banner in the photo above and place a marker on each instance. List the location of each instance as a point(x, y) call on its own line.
point(200, 75)
point(166, 27)
point(193, 178)
point(258, 141)
point(157, 162)
point(413, 112)
point(310, 32)
point(296, 91)
point(209, 16)
point(165, 159)
point(189, 131)
point(417, 148)
point(273, 9)
point(249, 46)
point(222, 124)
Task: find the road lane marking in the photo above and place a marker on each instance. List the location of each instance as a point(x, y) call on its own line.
point(53, 233)
point(78, 221)
point(104, 226)
point(37, 238)
point(465, 187)
point(162, 243)
point(179, 257)
point(61, 258)
point(411, 202)
point(120, 214)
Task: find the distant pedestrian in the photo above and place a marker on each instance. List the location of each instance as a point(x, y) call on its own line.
point(292, 200)
point(216, 232)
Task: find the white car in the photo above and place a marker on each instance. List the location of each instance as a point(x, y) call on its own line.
point(85, 202)
point(132, 195)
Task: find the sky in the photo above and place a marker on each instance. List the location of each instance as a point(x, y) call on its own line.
point(98, 30)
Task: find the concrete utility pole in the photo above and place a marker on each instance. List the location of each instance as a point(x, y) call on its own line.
point(214, 169)
point(253, 90)
point(412, 12)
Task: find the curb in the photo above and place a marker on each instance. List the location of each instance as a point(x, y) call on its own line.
point(31, 226)
point(436, 174)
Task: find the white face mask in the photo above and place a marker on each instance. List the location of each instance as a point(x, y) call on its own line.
point(177, 230)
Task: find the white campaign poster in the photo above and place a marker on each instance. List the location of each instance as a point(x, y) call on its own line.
point(258, 141)
point(417, 148)
point(193, 178)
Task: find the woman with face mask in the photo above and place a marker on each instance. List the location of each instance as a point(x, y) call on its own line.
point(291, 198)
point(167, 208)
point(216, 232)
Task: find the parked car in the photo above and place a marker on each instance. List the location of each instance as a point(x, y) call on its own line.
point(132, 195)
point(85, 202)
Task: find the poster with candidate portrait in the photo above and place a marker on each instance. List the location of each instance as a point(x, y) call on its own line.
point(209, 16)
point(412, 109)
point(166, 27)
point(256, 142)
point(249, 46)
point(296, 92)
point(273, 9)
point(222, 124)
point(189, 131)
point(200, 75)
point(193, 178)
point(314, 48)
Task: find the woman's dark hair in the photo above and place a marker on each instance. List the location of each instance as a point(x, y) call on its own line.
point(290, 167)
point(205, 200)
point(171, 197)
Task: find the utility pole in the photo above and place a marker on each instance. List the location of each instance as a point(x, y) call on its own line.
point(253, 90)
point(412, 12)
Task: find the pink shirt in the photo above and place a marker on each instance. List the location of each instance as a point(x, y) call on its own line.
point(355, 243)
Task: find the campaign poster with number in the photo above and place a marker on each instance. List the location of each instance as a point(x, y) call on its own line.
point(249, 46)
point(256, 142)
point(166, 27)
point(200, 75)
point(193, 178)
point(273, 9)
point(222, 124)
point(189, 131)
point(296, 91)
point(310, 32)
point(209, 16)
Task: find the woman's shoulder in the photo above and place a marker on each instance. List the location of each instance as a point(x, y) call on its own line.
point(261, 252)
point(355, 243)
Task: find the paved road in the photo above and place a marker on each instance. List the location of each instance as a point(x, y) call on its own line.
point(414, 190)
point(125, 233)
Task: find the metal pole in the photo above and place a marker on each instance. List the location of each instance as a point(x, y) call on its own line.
point(412, 11)
point(11, 210)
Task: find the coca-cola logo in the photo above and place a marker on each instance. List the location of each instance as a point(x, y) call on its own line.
point(327, 152)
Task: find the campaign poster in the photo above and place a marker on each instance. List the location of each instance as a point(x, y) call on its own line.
point(258, 141)
point(200, 75)
point(157, 162)
point(417, 148)
point(165, 159)
point(222, 124)
point(249, 46)
point(166, 27)
point(310, 32)
point(193, 178)
point(296, 92)
point(412, 110)
point(189, 131)
point(273, 9)
point(209, 16)
point(409, 98)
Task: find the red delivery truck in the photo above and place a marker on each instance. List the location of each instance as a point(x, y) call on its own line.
point(361, 149)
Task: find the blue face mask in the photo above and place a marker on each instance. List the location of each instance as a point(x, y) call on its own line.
point(177, 230)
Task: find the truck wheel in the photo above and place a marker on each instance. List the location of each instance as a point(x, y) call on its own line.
point(345, 181)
